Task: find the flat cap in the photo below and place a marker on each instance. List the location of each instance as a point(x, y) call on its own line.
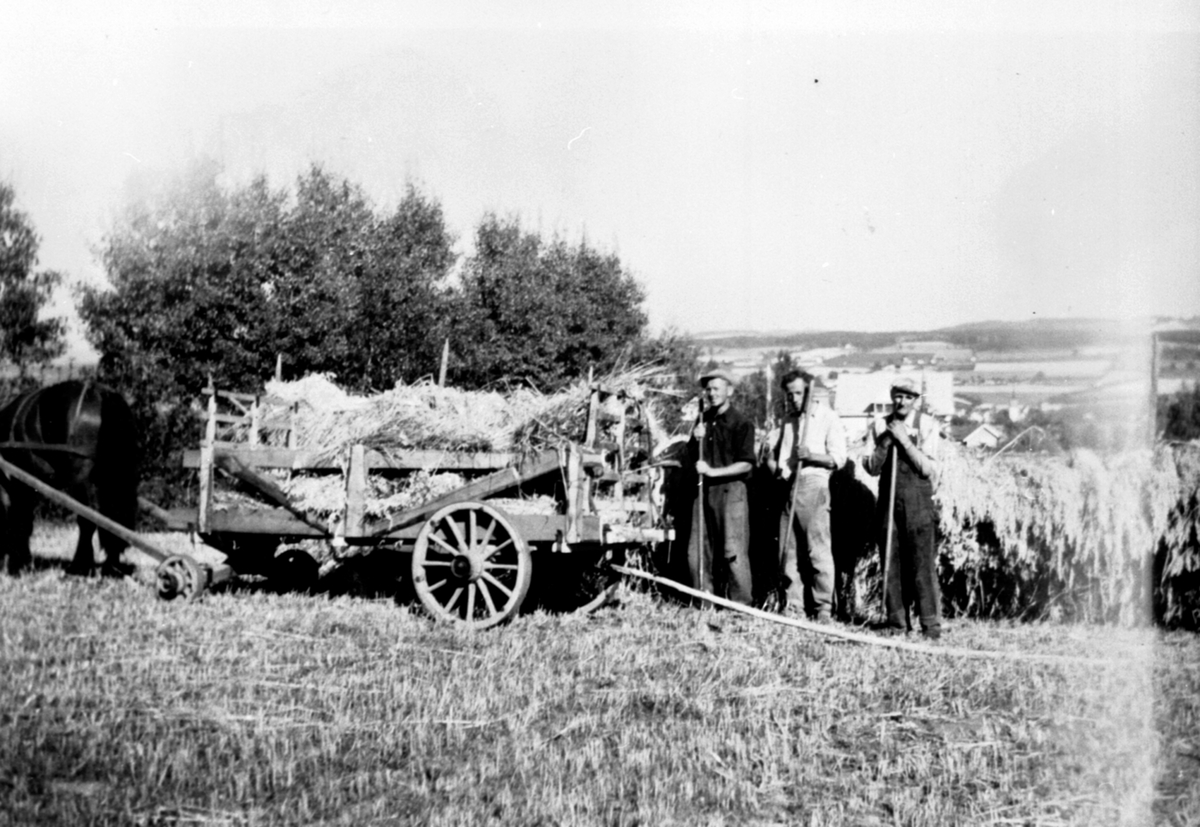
point(717, 373)
point(906, 384)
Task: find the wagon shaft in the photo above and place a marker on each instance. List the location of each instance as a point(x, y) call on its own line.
point(78, 508)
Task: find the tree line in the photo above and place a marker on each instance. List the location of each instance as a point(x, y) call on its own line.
point(215, 282)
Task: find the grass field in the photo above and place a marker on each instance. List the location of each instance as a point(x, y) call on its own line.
point(254, 708)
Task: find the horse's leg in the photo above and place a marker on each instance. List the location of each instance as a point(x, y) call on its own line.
point(113, 547)
point(117, 502)
point(85, 555)
point(18, 526)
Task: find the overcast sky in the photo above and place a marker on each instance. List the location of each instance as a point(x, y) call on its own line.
point(901, 165)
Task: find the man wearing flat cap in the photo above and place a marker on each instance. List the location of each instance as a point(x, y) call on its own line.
point(809, 446)
point(904, 447)
point(722, 449)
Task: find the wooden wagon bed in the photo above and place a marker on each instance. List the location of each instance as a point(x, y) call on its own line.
point(602, 492)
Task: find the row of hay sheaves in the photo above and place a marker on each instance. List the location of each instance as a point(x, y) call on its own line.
point(1106, 536)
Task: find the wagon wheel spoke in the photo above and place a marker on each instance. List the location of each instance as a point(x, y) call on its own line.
point(449, 548)
point(488, 577)
point(470, 601)
point(487, 537)
point(487, 597)
point(454, 599)
point(495, 549)
point(458, 535)
point(439, 584)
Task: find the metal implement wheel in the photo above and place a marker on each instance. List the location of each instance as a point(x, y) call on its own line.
point(180, 576)
point(596, 583)
point(471, 566)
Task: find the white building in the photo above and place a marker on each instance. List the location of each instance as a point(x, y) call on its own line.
point(985, 436)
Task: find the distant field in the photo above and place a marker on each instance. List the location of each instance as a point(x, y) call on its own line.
point(248, 708)
point(1027, 393)
point(1053, 369)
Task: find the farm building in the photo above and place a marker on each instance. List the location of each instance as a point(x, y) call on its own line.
point(985, 436)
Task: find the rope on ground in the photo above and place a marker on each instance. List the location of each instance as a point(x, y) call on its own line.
point(858, 637)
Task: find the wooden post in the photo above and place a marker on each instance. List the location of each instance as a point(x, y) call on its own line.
point(574, 493)
point(700, 516)
point(769, 414)
point(255, 421)
point(619, 438)
point(356, 486)
point(891, 524)
point(207, 446)
point(445, 363)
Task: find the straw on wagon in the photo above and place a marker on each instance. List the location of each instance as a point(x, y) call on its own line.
point(322, 416)
point(424, 415)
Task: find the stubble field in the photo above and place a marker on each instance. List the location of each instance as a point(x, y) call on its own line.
point(255, 708)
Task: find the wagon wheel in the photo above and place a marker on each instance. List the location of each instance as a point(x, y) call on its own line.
point(180, 576)
point(471, 566)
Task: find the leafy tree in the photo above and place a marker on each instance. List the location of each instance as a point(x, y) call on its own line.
point(207, 281)
point(26, 339)
point(543, 313)
point(753, 393)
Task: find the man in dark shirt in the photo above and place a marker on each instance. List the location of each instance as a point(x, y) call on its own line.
point(722, 448)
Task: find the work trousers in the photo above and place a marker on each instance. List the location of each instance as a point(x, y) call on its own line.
point(806, 551)
point(912, 566)
point(723, 537)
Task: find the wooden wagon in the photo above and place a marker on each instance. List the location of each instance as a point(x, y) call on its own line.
point(471, 550)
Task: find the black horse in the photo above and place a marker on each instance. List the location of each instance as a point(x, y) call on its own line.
point(80, 438)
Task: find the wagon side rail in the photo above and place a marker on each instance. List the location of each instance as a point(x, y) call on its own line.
point(546, 463)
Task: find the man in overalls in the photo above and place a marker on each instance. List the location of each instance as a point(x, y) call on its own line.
point(904, 447)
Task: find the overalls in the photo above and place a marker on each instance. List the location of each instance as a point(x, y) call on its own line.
point(912, 574)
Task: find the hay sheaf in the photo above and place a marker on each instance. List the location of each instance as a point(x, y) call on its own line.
point(1091, 525)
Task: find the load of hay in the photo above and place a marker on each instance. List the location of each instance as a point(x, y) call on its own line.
point(1083, 536)
point(427, 416)
point(423, 416)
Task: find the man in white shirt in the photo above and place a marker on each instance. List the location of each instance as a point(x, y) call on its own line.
point(811, 443)
point(906, 447)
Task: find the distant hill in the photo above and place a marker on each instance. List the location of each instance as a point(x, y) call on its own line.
point(807, 340)
point(996, 336)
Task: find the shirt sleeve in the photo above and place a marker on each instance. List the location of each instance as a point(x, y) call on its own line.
point(873, 458)
point(931, 443)
point(743, 443)
point(835, 439)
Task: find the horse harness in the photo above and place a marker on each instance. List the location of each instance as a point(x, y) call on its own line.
point(25, 445)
